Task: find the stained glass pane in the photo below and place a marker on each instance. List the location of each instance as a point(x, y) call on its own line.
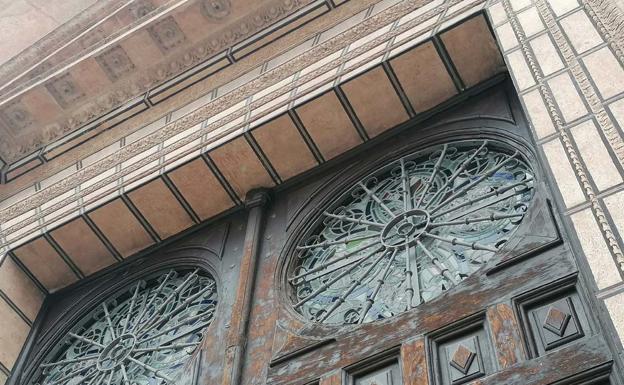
point(410, 231)
point(143, 336)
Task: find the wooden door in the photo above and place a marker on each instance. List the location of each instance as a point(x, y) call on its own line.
point(521, 316)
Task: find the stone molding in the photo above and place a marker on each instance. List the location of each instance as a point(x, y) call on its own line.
point(597, 108)
point(229, 100)
point(142, 82)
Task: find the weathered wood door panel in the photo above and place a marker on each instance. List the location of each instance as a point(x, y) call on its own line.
point(523, 318)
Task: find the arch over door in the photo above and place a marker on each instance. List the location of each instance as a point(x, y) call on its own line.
point(521, 316)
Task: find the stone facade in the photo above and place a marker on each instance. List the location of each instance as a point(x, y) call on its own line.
point(566, 60)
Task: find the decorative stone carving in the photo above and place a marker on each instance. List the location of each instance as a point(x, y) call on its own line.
point(167, 34)
point(16, 117)
point(216, 10)
point(65, 90)
point(115, 62)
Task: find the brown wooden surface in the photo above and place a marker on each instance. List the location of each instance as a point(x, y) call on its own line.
point(333, 378)
point(506, 333)
point(257, 338)
point(414, 362)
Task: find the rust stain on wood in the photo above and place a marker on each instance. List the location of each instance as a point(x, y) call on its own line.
point(333, 378)
point(506, 333)
point(414, 362)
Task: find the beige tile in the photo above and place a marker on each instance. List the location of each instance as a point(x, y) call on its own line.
point(617, 109)
point(283, 145)
point(121, 227)
point(581, 32)
point(20, 289)
point(518, 5)
point(606, 72)
point(614, 204)
point(595, 155)
point(375, 101)
point(565, 177)
point(567, 97)
point(563, 6)
point(538, 114)
point(329, 125)
point(423, 76)
point(547, 55)
point(507, 37)
point(83, 246)
point(201, 189)
point(13, 334)
point(45, 264)
point(473, 50)
point(160, 208)
point(615, 307)
point(497, 13)
point(520, 70)
point(240, 165)
point(3, 378)
point(530, 22)
point(601, 263)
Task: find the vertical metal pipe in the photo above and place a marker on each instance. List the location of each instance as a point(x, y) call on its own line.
point(256, 202)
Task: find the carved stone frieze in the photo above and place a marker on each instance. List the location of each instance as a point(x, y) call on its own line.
point(548, 98)
point(65, 90)
point(167, 36)
point(368, 26)
point(115, 62)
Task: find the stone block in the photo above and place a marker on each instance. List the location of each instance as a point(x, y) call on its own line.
point(564, 174)
point(601, 263)
point(581, 32)
point(538, 114)
point(595, 155)
point(606, 72)
point(567, 97)
point(614, 305)
point(520, 70)
point(546, 54)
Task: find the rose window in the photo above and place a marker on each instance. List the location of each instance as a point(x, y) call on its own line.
point(410, 231)
point(143, 336)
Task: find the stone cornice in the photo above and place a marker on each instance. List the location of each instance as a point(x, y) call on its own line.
point(265, 80)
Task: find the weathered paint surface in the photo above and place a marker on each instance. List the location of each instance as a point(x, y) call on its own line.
point(257, 338)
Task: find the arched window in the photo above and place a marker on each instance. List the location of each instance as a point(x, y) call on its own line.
point(144, 335)
point(409, 231)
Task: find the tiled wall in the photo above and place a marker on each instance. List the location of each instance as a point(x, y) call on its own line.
point(20, 301)
point(566, 65)
point(568, 70)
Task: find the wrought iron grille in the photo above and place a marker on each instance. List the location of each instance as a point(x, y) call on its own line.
point(143, 336)
point(410, 231)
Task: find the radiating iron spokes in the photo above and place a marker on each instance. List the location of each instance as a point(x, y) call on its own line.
point(403, 235)
point(143, 336)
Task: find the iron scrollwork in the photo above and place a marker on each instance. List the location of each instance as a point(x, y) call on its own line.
point(143, 336)
point(410, 231)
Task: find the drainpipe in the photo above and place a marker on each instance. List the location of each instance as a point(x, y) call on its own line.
point(256, 202)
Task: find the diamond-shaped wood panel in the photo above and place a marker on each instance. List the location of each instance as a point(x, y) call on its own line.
point(461, 353)
point(552, 318)
point(462, 359)
point(556, 321)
